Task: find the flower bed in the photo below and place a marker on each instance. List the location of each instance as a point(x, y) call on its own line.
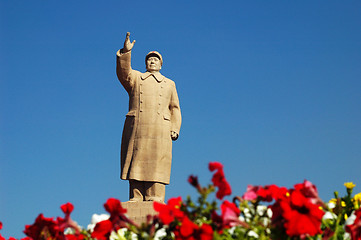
point(263, 212)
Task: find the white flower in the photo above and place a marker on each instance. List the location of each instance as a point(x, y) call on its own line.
point(269, 212)
point(118, 235)
point(346, 236)
point(247, 213)
point(265, 221)
point(331, 205)
point(160, 234)
point(351, 219)
point(329, 215)
point(95, 219)
point(231, 230)
point(252, 234)
point(261, 210)
point(69, 230)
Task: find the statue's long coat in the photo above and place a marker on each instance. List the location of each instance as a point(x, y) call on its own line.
point(146, 150)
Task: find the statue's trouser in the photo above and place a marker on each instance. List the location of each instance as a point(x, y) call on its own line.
point(146, 191)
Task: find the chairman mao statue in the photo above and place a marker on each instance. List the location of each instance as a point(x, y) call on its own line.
point(153, 121)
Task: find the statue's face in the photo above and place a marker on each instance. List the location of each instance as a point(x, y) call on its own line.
point(153, 64)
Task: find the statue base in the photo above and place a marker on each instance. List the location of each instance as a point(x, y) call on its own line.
point(138, 211)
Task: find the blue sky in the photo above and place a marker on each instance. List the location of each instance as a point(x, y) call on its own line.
point(272, 89)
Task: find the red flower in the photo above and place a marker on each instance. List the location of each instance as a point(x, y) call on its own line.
point(170, 211)
point(215, 166)
point(102, 230)
point(190, 231)
point(271, 192)
point(67, 208)
point(74, 237)
point(266, 193)
point(355, 228)
point(217, 221)
point(277, 215)
point(219, 180)
point(187, 229)
point(116, 220)
point(193, 180)
point(66, 222)
point(26, 238)
point(43, 229)
point(1, 226)
point(205, 232)
point(117, 217)
point(302, 217)
point(114, 207)
point(309, 191)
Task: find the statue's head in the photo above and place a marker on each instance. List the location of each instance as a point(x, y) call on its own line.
point(153, 61)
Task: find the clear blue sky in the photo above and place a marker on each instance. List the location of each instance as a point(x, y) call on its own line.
point(272, 89)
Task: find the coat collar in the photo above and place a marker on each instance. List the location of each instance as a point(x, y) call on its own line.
point(159, 77)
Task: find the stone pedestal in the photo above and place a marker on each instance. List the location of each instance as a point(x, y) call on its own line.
point(138, 211)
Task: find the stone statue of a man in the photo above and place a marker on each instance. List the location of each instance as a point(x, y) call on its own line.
point(153, 121)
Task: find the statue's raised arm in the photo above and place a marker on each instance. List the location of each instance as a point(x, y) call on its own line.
point(127, 44)
point(124, 69)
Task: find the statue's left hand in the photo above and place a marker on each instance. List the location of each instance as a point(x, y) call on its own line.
point(174, 135)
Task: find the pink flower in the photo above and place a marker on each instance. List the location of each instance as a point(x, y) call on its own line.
point(230, 215)
point(251, 193)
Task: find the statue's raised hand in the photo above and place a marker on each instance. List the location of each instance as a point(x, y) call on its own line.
point(127, 44)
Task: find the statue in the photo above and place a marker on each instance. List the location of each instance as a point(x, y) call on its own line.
point(153, 121)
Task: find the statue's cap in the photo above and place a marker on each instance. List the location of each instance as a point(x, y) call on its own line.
point(156, 54)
